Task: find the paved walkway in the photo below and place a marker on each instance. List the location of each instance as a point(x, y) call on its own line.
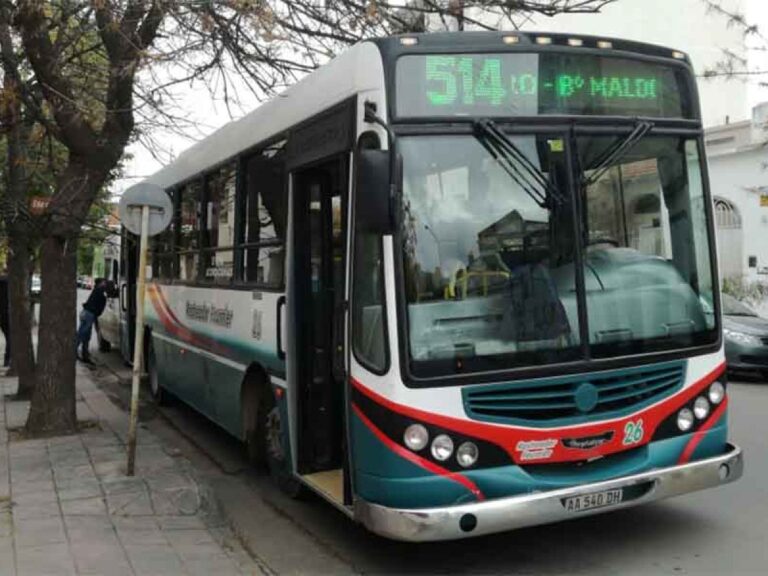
point(66, 506)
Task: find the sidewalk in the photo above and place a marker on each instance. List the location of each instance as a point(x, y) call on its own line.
point(66, 506)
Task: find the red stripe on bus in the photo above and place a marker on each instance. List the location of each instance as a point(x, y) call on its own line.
point(416, 459)
point(699, 435)
point(168, 309)
point(172, 325)
point(509, 436)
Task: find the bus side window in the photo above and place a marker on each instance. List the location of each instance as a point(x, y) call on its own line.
point(188, 255)
point(162, 251)
point(368, 333)
point(219, 226)
point(264, 219)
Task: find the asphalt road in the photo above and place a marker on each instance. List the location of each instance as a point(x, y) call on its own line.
point(720, 531)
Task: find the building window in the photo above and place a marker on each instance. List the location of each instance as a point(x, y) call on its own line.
point(726, 214)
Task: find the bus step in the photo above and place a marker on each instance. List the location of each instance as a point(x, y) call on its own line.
point(329, 483)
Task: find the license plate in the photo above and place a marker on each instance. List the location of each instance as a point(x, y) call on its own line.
point(594, 500)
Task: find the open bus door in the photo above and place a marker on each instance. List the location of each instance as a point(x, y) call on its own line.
point(317, 298)
point(128, 273)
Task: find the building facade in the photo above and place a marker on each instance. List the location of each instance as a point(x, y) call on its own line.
point(738, 169)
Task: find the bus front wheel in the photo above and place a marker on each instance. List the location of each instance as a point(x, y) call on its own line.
point(278, 458)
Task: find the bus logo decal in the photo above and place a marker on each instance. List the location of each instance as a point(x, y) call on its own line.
point(536, 449)
point(588, 442)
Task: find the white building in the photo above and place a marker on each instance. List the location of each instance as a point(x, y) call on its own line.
point(738, 172)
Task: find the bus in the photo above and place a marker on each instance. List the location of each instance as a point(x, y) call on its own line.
point(454, 283)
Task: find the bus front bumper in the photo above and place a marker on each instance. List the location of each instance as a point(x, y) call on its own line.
point(498, 515)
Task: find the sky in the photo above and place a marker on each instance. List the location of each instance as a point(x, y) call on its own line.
point(669, 29)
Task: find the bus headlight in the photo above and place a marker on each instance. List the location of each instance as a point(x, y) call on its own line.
point(701, 407)
point(467, 454)
point(442, 447)
point(684, 420)
point(416, 437)
point(716, 392)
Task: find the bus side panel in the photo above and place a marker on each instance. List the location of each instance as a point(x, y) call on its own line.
point(209, 337)
point(206, 384)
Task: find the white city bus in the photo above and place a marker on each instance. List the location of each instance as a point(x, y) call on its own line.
point(454, 283)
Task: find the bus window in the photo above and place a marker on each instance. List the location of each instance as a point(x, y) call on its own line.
point(264, 219)
point(162, 251)
point(646, 241)
point(219, 231)
point(188, 256)
point(368, 321)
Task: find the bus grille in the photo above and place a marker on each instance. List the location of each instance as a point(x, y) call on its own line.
point(573, 399)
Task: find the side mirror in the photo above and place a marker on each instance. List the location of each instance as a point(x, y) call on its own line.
point(374, 192)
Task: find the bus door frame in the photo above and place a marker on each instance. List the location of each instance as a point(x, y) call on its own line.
point(129, 268)
point(327, 138)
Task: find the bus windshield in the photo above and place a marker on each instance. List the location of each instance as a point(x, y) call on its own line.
point(490, 274)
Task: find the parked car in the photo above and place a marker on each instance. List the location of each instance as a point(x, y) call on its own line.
point(35, 288)
point(746, 338)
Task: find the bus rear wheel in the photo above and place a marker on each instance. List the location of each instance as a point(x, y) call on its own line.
point(158, 394)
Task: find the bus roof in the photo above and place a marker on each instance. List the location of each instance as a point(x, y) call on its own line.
point(356, 70)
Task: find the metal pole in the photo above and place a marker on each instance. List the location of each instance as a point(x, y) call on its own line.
point(138, 348)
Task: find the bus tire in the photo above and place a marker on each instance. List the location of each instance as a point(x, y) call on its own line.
point(253, 403)
point(277, 456)
point(158, 394)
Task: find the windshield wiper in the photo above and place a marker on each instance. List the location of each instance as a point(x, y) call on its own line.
point(615, 152)
point(516, 164)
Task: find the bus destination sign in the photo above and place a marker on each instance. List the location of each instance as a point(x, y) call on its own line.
point(533, 84)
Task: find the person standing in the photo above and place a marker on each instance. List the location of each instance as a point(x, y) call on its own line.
point(5, 316)
point(90, 313)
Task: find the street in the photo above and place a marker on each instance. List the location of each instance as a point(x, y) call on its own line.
point(712, 532)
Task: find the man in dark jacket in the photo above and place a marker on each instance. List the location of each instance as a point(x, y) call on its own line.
point(5, 313)
point(92, 309)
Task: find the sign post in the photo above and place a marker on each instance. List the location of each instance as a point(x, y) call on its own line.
point(145, 210)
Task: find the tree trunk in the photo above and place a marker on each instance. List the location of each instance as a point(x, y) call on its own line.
point(53, 401)
point(22, 349)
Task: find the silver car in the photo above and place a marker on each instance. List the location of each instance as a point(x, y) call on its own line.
point(746, 338)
